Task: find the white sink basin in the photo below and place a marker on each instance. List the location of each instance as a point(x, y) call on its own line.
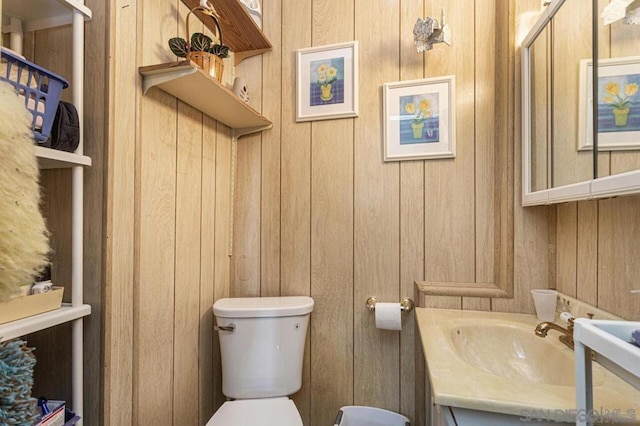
point(494, 362)
point(512, 351)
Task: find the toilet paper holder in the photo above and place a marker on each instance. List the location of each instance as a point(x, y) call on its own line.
point(406, 304)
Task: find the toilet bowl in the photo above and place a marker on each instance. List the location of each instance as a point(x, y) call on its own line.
point(257, 412)
point(262, 347)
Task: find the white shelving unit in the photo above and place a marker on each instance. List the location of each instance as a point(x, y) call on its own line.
point(41, 14)
point(608, 339)
point(32, 15)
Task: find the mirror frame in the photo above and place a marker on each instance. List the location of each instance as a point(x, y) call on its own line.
point(610, 186)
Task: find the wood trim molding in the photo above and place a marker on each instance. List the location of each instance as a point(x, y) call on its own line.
point(463, 289)
point(504, 86)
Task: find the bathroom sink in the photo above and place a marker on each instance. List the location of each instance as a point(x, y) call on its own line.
point(512, 351)
point(491, 361)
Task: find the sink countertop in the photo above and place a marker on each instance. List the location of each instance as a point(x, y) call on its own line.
point(456, 382)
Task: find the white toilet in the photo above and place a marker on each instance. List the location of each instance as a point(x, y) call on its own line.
point(262, 347)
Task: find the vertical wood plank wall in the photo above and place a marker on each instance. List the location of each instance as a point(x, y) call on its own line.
point(317, 208)
point(317, 211)
point(412, 207)
point(168, 210)
point(569, 165)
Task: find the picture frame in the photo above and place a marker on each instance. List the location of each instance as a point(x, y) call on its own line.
point(618, 104)
point(419, 119)
point(327, 82)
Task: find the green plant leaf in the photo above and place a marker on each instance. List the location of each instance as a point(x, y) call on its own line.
point(219, 50)
point(200, 42)
point(178, 46)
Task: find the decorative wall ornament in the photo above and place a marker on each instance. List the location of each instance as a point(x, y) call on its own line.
point(327, 82)
point(240, 89)
point(619, 9)
point(255, 11)
point(419, 119)
point(429, 31)
point(618, 104)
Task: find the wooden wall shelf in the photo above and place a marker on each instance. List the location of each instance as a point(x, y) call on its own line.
point(190, 84)
point(239, 31)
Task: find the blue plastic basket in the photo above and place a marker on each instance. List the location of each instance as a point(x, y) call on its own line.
point(70, 418)
point(38, 85)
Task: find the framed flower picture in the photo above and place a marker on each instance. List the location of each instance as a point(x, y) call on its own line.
point(419, 119)
point(618, 104)
point(327, 82)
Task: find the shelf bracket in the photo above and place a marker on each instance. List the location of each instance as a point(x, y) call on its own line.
point(235, 135)
point(246, 131)
point(150, 80)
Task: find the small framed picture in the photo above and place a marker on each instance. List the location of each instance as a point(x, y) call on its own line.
point(618, 104)
point(419, 119)
point(327, 82)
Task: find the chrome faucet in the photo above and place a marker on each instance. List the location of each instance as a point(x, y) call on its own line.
point(567, 333)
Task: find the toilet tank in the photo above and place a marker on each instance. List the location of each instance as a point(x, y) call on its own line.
point(262, 356)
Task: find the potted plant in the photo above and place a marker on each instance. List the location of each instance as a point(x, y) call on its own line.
point(417, 122)
point(621, 103)
point(201, 48)
point(327, 75)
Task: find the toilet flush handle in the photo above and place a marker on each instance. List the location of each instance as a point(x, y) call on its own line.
point(230, 327)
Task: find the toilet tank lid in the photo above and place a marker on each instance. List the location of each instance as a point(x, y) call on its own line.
point(256, 307)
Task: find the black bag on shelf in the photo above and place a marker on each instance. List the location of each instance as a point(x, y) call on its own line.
point(65, 133)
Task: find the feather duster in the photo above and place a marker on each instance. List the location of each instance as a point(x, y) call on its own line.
point(24, 243)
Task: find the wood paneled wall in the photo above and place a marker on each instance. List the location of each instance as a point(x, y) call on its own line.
point(168, 210)
point(318, 212)
point(571, 41)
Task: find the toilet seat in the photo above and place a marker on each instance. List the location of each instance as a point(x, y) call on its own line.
point(257, 412)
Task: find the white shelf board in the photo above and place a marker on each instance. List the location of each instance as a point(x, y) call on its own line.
point(612, 340)
point(55, 159)
point(40, 14)
point(66, 313)
point(190, 84)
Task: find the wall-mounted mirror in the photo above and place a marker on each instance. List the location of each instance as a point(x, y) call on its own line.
point(559, 161)
point(618, 93)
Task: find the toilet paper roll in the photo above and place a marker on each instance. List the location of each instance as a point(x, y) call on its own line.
point(388, 316)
